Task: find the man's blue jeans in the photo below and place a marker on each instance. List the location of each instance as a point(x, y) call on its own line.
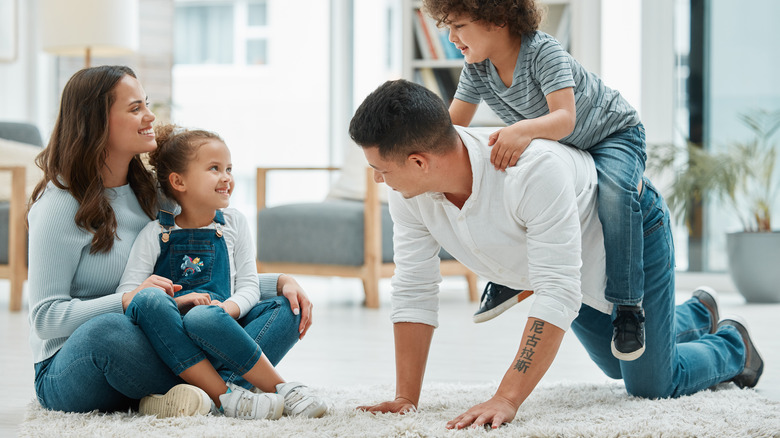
point(681, 357)
point(620, 162)
point(108, 363)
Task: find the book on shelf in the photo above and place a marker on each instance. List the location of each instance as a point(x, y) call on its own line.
point(433, 33)
point(445, 48)
point(450, 51)
point(424, 40)
point(442, 81)
point(434, 43)
point(447, 79)
point(427, 79)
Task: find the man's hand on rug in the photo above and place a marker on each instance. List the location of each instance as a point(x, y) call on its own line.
point(494, 412)
point(398, 406)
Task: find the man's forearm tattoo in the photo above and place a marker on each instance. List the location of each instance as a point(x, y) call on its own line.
point(527, 353)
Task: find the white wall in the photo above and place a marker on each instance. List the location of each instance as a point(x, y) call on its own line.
point(269, 115)
point(378, 45)
point(30, 86)
point(26, 88)
point(280, 114)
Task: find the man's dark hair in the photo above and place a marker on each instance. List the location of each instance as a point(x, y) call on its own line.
point(403, 118)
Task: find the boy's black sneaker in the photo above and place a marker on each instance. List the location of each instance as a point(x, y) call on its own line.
point(628, 336)
point(754, 364)
point(496, 299)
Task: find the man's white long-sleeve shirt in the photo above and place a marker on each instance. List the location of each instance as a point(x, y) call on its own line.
point(534, 226)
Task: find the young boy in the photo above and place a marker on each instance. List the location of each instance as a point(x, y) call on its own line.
point(540, 91)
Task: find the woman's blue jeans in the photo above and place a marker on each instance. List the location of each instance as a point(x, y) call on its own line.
point(681, 357)
point(620, 162)
point(109, 363)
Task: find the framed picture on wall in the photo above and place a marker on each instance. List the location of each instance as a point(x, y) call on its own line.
point(8, 30)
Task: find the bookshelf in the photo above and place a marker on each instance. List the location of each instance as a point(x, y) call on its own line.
point(430, 59)
point(428, 56)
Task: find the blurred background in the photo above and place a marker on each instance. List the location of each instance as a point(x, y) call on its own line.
point(279, 80)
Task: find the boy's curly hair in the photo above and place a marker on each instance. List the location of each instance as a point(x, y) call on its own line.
point(522, 16)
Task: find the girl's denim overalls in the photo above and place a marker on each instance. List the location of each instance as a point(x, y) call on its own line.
point(195, 258)
point(198, 260)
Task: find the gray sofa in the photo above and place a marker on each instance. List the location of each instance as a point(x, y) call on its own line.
point(21, 132)
point(13, 260)
point(342, 238)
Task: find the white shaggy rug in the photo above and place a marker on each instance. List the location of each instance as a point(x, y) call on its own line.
point(553, 410)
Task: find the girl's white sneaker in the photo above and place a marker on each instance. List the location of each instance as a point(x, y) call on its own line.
point(298, 400)
point(243, 403)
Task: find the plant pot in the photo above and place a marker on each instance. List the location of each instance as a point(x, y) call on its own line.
point(754, 265)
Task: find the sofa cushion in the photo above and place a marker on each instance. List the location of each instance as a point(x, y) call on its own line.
point(19, 154)
point(351, 182)
point(20, 143)
point(329, 232)
point(22, 132)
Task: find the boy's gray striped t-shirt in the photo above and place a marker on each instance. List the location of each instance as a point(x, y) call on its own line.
point(543, 67)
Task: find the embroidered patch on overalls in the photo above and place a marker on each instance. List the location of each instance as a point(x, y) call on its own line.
point(191, 266)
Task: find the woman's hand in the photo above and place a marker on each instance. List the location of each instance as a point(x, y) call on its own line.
point(299, 302)
point(228, 306)
point(153, 281)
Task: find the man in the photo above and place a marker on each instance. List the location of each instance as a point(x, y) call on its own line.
point(533, 227)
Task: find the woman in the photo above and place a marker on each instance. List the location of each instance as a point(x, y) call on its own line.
point(95, 196)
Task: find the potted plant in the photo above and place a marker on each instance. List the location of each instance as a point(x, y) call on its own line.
point(744, 179)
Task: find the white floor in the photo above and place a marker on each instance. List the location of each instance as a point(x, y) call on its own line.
point(351, 345)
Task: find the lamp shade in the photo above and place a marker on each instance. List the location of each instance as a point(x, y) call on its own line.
point(102, 27)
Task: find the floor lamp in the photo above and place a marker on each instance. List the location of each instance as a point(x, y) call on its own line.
point(89, 28)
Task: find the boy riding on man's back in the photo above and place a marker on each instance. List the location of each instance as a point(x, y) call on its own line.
point(540, 91)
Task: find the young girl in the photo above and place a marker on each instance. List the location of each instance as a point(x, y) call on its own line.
point(541, 91)
point(203, 302)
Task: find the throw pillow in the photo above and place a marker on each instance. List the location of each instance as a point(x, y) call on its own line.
point(19, 154)
point(351, 183)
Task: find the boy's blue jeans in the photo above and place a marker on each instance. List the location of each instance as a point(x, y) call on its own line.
point(681, 357)
point(108, 363)
point(620, 162)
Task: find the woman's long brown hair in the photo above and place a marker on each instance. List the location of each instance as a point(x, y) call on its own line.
point(77, 151)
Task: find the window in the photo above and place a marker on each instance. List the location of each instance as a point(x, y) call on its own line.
point(723, 75)
point(274, 101)
point(252, 98)
point(231, 32)
point(257, 33)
